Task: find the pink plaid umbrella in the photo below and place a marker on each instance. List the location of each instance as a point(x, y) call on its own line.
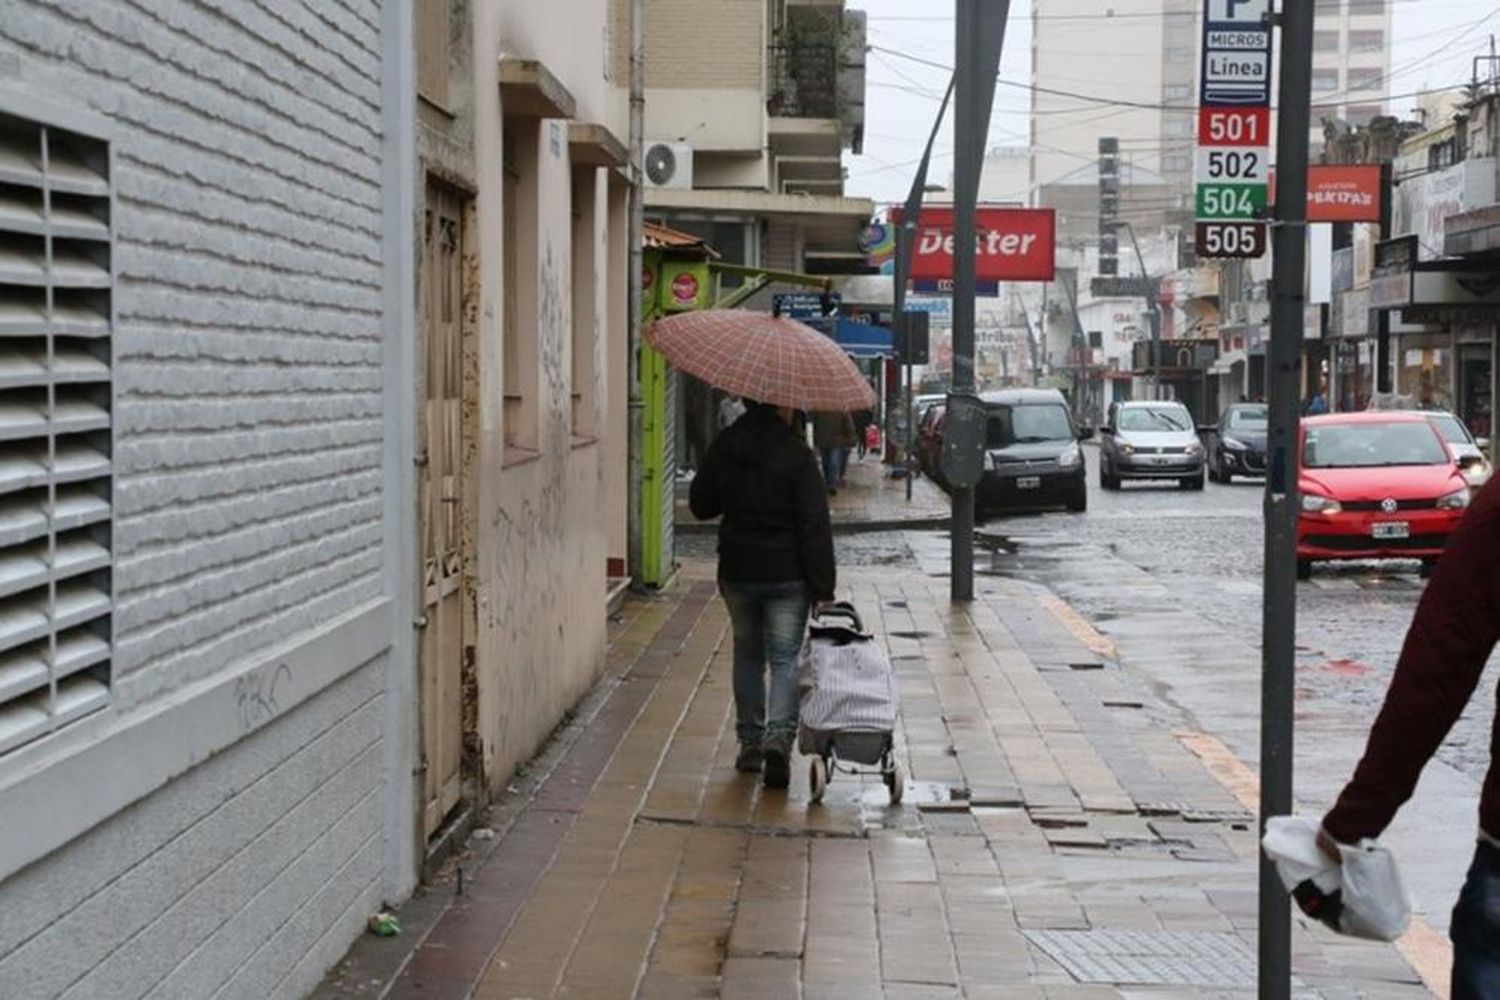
point(764, 358)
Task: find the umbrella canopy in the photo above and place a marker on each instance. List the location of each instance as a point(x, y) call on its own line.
point(765, 358)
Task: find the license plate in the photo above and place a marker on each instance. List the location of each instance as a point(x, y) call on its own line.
point(1029, 483)
point(1390, 529)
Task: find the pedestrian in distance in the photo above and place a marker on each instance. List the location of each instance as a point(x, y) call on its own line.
point(863, 421)
point(775, 563)
point(834, 436)
point(1451, 639)
point(1318, 405)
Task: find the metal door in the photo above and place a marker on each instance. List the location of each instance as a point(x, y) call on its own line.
point(440, 486)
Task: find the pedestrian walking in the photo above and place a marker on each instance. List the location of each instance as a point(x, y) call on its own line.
point(775, 563)
point(863, 420)
point(833, 436)
point(1451, 639)
point(1318, 405)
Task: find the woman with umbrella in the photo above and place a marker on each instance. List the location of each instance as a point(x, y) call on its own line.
point(775, 538)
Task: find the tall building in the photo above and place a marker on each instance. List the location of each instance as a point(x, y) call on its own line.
point(1144, 55)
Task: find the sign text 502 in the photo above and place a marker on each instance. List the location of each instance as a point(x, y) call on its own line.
point(1229, 165)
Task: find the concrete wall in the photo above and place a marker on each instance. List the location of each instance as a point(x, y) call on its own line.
point(705, 73)
point(234, 816)
point(544, 536)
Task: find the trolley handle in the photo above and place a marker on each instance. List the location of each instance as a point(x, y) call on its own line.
point(840, 609)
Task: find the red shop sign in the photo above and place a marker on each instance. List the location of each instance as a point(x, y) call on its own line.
point(1014, 244)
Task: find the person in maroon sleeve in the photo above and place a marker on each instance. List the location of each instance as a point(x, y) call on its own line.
point(1451, 639)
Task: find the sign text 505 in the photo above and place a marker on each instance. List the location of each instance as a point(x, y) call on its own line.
point(1230, 239)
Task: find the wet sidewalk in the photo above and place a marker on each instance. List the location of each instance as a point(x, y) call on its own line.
point(1058, 838)
point(869, 500)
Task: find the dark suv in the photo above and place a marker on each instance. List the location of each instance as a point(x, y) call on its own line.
point(1031, 459)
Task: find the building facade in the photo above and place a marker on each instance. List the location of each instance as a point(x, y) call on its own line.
point(313, 334)
point(206, 752)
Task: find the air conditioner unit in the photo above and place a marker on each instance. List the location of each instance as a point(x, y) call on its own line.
point(1239, 313)
point(669, 165)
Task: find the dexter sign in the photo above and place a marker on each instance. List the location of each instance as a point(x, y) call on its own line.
point(1013, 244)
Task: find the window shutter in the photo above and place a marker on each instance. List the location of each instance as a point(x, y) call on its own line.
point(55, 428)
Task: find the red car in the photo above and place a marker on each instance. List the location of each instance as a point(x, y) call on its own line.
point(1376, 486)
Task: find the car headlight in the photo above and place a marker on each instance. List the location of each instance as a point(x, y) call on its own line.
point(1477, 474)
point(1070, 457)
point(1127, 449)
point(1457, 500)
point(989, 461)
point(1314, 504)
point(1235, 444)
point(1195, 449)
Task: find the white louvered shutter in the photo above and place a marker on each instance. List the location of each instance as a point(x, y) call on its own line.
point(55, 435)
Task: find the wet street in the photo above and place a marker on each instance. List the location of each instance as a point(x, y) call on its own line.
point(1173, 579)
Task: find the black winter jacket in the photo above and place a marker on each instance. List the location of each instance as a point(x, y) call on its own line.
point(766, 485)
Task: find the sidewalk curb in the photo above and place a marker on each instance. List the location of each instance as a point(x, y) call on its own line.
point(701, 528)
point(1426, 950)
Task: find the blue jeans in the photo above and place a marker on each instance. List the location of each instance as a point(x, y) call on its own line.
point(1476, 929)
point(835, 461)
point(770, 621)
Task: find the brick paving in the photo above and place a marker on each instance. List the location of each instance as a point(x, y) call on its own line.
point(1056, 841)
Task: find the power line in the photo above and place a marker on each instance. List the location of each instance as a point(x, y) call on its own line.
point(1112, 102)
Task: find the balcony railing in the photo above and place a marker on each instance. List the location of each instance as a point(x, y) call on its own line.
point(804, 80)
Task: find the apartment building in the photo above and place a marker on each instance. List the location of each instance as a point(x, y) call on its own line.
point(749, 107)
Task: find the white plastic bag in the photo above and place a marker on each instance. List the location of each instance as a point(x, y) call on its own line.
point(1362, 897)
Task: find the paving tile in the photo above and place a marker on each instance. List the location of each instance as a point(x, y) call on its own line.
point(761, 979)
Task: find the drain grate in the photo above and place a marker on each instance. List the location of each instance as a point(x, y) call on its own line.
point(1150, 958)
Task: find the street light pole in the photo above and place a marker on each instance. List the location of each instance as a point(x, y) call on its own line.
point(1279, 626)
point(904, 234)
point(1153, 304)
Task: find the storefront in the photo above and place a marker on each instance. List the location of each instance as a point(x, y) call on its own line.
point(1444, 312)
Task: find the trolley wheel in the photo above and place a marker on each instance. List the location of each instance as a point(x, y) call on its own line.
point(896, 783)
point(817, 778)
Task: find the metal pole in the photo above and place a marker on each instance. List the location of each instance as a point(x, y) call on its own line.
point(979, 37)
point(636, 404)
point(1383, 316)
point(910, 217)
point(1153, 312)
point(1279, 627)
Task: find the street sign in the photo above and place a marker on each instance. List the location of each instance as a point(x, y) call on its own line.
point(1232, 166)
point(806, 305)
point(1230, 239)
point(1011, 244)
point(1133, 286)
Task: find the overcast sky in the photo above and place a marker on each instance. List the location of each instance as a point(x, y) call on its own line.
point(1437, 41)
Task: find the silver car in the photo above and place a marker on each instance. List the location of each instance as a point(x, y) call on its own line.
point(1150, 440)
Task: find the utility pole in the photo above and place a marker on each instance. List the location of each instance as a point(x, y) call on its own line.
point(905, 233)
point(1279, 626)
point(1153, 305)
point(979, 37)
point(635, 403)
point(1383, 316)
